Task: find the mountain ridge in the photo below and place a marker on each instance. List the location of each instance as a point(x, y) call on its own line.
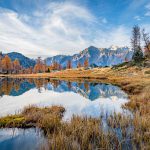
point(96, 56)
point(100, 57)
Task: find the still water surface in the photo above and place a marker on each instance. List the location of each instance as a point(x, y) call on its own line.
point(79, 98)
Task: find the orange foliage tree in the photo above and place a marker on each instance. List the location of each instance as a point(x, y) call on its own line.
point(6, 64)
point(16, 66)
point(39, 67)
point(86, 63)
point(79, 65)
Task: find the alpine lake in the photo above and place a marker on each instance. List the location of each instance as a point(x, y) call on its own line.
point(82, 98)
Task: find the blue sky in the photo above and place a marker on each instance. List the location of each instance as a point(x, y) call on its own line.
point(51, 27)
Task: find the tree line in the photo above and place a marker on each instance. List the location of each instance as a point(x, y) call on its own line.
point(7, 66)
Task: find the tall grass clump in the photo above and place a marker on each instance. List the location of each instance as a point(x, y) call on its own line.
point(121, 132)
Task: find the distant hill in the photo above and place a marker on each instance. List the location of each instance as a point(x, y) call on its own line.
point(24, 61)
point(96, 56)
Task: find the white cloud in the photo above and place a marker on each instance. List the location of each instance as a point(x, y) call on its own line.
point(148, 9)
point(119, 36)
point(147, 6)
point(104, 20)
point(147, 13)
point(138, 18)
point(62, 28)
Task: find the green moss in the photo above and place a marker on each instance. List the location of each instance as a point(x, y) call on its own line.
point(12, 121)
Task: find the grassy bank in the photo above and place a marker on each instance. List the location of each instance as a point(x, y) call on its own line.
point(82, 132)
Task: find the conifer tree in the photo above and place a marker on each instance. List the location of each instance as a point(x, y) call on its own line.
point(136, 44)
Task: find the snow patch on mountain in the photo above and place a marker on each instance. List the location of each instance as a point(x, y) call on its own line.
point(97, 56)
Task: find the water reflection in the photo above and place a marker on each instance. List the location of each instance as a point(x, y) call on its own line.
point(19, 139)
point(91, 91)
point(80, 98)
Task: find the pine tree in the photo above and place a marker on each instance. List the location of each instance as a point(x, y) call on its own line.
point(38, 68)
point(48, 70)
point(136, 44)
point(138, 55)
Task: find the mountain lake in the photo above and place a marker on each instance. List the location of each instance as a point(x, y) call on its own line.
point(79, 98)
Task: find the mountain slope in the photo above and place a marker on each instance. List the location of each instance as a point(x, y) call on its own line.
point(24, 61)
point(97, 57)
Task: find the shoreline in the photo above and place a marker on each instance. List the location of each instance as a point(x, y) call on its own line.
point(132, 76)
point(135, 81)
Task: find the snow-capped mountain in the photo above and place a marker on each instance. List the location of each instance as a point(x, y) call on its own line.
point(96, 56)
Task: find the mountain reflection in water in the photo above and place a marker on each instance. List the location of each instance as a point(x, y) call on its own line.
point(81, 98)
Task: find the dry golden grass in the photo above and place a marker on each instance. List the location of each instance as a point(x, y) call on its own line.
point(32, 116)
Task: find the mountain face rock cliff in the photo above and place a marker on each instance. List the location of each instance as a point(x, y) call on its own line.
point(97, 57)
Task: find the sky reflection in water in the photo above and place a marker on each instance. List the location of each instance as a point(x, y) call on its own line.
point(84, 99)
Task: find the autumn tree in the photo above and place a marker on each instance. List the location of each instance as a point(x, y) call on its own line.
point(69, 64)
point(146, 39)
point(6, 64)
point(55, 66)
point(79, 65)
point(86, 63)
point(30, 70)
point(16, 66)
point(136, 44)
point(38, 68)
